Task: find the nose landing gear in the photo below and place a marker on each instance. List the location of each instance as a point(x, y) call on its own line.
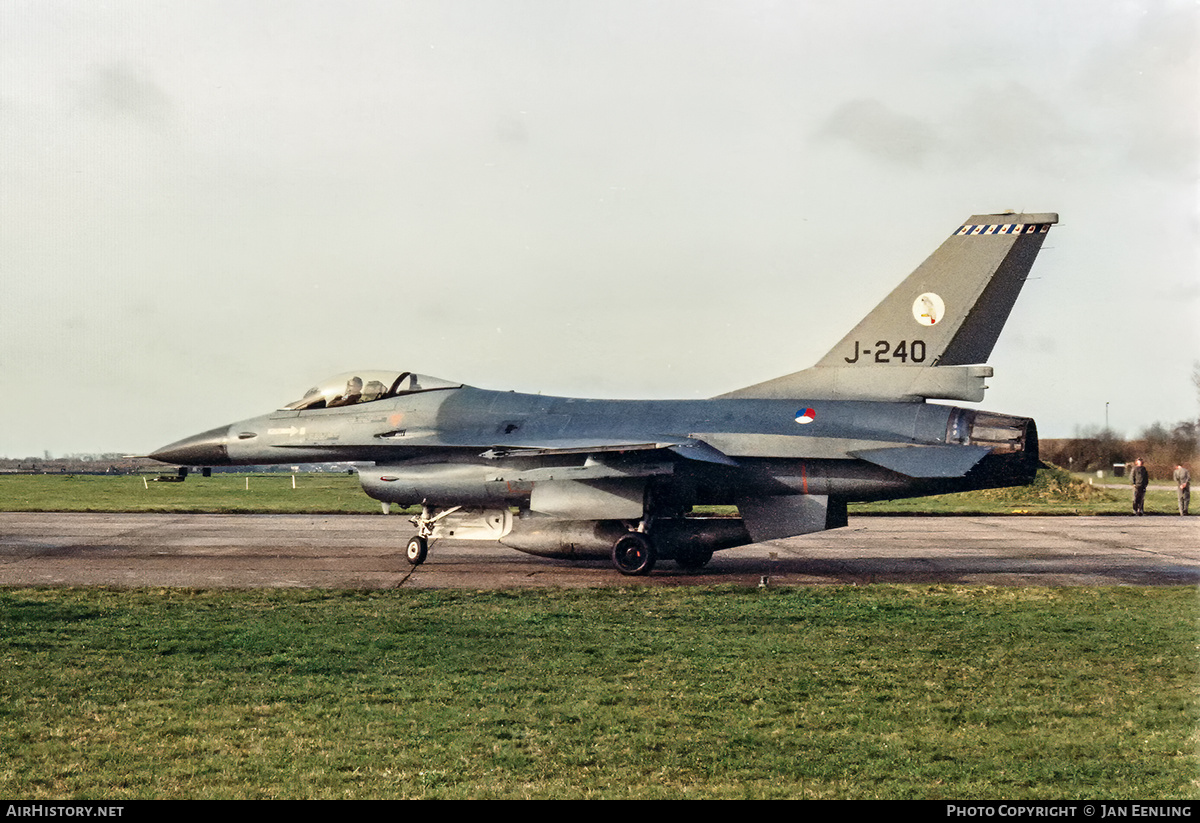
point(417, 549)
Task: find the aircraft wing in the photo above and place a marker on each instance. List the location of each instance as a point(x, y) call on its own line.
point(608, 483)
point(687, 447)
point(533, 446)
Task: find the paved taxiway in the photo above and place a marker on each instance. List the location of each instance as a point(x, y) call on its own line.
point(367, 551)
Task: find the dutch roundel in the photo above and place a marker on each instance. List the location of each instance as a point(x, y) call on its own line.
point(805, 416)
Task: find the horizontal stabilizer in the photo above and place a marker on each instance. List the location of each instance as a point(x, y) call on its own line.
point(911, 383)
point(925, 461)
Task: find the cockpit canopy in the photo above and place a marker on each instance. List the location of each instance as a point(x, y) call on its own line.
point(353, 388)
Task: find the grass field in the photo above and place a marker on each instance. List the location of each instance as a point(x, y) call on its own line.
point(269, 493)
point(1054, 492)
point(872, 692)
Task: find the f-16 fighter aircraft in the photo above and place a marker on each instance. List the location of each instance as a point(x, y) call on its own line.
point(565, 477)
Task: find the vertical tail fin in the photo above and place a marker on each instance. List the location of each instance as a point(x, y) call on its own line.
point(949, 312)
point(956, 302)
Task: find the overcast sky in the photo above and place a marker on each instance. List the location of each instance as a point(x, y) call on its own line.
point(206, 207)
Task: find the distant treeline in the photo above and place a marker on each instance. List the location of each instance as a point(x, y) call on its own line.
point(1162, 448)
point(124, 464)
point(78, 464)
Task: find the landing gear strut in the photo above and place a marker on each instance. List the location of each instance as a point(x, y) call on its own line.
point(418, 546)
point(634, 554)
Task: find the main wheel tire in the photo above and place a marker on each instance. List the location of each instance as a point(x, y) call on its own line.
point(634, 554)
point(417, 550)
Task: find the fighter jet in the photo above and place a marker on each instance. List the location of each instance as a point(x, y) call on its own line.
point(575, 478)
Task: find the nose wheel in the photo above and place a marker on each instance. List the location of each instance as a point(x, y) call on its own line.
point(633, 554)
point(417, 550)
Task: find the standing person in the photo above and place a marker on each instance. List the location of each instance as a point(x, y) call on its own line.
point(1183, 483)
point(1140, 478)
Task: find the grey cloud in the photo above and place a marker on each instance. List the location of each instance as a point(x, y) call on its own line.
point(1014, 125)
point(871, 127)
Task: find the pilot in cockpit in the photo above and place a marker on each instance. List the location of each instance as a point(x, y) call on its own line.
point(373, 391)
point(352, 394)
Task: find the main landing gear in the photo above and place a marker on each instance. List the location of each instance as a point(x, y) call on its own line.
point(634, 554)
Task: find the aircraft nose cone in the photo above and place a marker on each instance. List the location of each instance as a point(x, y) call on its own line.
point(204, 449)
